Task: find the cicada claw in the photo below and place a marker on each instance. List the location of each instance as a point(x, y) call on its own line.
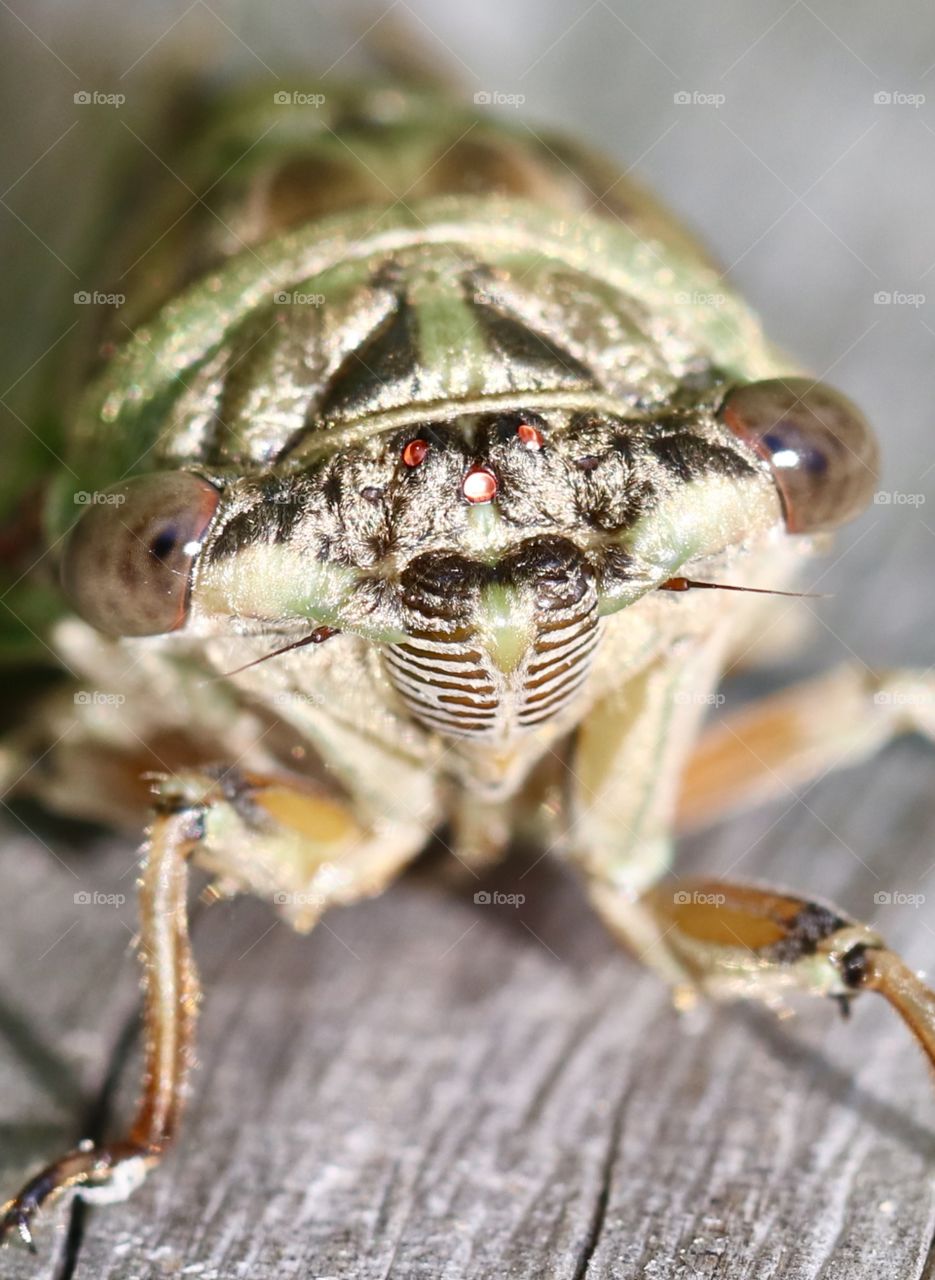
point(95, 1172)
point(16, 1219)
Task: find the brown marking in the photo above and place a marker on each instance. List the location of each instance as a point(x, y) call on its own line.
point(736, 916)
point(477, 166)
point(306, 187)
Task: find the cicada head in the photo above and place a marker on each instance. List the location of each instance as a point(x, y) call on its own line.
point(480, 550)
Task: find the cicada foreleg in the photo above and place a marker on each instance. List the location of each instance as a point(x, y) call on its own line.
point(170, 1011)
point(268, 834)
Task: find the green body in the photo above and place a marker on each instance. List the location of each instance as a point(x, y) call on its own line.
point(382, 261)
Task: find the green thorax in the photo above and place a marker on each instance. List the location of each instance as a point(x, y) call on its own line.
point(469, 267)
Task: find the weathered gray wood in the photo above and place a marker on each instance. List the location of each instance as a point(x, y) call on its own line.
point(68, 989)
point(426, 1088)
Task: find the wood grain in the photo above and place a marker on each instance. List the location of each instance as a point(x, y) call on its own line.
point(427, 1087)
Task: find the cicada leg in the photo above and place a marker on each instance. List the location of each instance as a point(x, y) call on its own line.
point(170, 1010)
point(785, 741)
point(267, 834)
point(732, 941)
point(727, 940)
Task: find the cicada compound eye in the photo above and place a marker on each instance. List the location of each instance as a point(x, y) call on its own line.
point(127, 565)
point(822, 451)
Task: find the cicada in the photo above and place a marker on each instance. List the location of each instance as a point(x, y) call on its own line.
point(431, 476)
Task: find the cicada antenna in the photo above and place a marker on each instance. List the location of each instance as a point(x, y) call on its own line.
point(690, 584)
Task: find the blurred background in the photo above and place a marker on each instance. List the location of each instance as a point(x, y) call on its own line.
point(798, 139)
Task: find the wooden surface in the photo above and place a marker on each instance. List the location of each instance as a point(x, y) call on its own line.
point(430, 1088)
point(427, 1087)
